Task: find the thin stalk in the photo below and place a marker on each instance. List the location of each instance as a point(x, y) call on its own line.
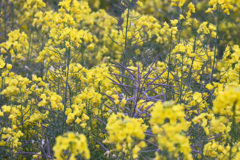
point(238, 73)
point(66, 83)
point(125, 47)
point(233, 131)
point(216, 42)
point(169, 59)
point(180, 97)
point(194, 49)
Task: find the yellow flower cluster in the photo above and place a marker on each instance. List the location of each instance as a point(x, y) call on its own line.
point(71, 145)
point(227, 103)
point(180, 3)
point(215, 149)
point(226, 5)
point(222, 123)
point(168, 125)
point(57, 75)
point(70, 18)
point(10, 138)
point(127, 134)
point(212, 125)
point(229, 66)
point(17, 45)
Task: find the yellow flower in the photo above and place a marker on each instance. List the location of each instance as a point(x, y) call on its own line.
point(181, 3)
point(6, 109)
point(3, 51)
point(76, 144)
point(169, 134)
point(140, 4)
point(181, 17)
point(85, 117)
point(209, 86)
point(78, 120)
point(2, 63)
point(197, 96)
point(83, 125)
point(124, 132)
point(9, 66)
point(174, 22)
point(90, 46)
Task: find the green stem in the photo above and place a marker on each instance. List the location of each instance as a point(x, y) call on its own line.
point(180, 97)
point(232, 133)
point(66, 84)
point(193, 58)
point(216, 43)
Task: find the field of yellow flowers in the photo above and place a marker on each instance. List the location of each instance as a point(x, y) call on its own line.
point(120, 79)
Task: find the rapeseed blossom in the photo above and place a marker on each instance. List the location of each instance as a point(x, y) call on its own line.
point(139, 79)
